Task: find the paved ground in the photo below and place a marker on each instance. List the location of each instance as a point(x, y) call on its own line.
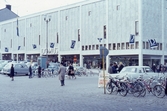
point(82, 94)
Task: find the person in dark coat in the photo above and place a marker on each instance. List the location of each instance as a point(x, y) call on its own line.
point(12, 72)
point(70, 70)
point(39, 71)
point(110, 71)
point(154, 67)
point(30, 71)
point(62, 72)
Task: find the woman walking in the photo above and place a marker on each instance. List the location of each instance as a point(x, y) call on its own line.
point(12, 73)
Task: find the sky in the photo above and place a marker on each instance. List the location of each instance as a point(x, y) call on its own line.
point(27, 7)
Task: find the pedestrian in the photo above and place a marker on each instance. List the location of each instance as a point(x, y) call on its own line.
point(30, 71)
point(12, 73)
point(39, 71)
point(71, 71)
point(120, 67)
point(110, 71)
point(154, 67)
point(62, 72)
point(114, 70)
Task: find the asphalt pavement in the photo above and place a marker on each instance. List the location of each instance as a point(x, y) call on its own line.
point(81, 94)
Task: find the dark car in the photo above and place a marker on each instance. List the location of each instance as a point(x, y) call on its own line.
point(19, 69)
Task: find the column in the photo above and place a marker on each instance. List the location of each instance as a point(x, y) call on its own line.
point(81, 60)
point(140, 33)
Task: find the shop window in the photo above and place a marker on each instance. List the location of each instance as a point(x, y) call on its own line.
point(122, 46)
point(82, 47)
point(136, 28)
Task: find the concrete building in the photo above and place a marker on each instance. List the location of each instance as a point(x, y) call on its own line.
point(115, 21)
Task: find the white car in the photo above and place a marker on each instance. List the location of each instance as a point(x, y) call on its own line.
point(133, 72)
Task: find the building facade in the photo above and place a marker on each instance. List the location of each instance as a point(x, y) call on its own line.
point(114, 21)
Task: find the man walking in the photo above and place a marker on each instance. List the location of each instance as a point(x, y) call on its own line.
point(62, 72)
point(30, 71)
point(39, 71)
point(12, 73)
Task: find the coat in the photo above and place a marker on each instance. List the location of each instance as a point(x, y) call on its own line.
point(12, 72)
point(62, 72)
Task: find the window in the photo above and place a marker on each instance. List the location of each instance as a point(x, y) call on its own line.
point(122, 46)
point(109, 46)
point(89, 47)
point(144, 45)
point(160, 46)
point(86, 47)
point(0, 44)
point(11, 43)
point(93, 47)
point(118, 7)
point(114, 46)
point(136, 45)
point(57, 37)
point(89, 13)
point(127, 45)
point(66, 17)
point(78, 34)
point(97, 47)
point(136, 27)
point(82, 47)
point(39, 39)
point(104, 28)
point(118, 46)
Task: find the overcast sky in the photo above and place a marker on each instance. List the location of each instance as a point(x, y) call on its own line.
point(26, 7)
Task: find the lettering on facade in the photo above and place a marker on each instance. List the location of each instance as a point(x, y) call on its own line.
point(50, 51)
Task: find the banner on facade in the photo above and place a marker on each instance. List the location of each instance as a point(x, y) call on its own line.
point(132, 39)
point(6, 49)
point(52, 45)
point(153, 43)
point(73, 44)
point(34, 46)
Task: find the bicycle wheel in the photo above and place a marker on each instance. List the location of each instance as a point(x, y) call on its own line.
point(138, 89)
point(143, 92)
point(108, 87)
point(114, 89)
point(123, 89)
point(159, 91)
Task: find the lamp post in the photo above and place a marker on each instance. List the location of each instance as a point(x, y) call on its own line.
point(47, 19)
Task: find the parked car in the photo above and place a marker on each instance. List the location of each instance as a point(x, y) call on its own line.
point(133, 72)
point(19, 68)
point(3, 63)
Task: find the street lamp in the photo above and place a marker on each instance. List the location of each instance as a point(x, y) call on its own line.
point(47, 19)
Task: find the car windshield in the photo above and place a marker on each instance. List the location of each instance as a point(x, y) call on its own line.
point(128, 69)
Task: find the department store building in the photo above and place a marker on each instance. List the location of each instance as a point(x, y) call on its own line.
point(127, 28)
